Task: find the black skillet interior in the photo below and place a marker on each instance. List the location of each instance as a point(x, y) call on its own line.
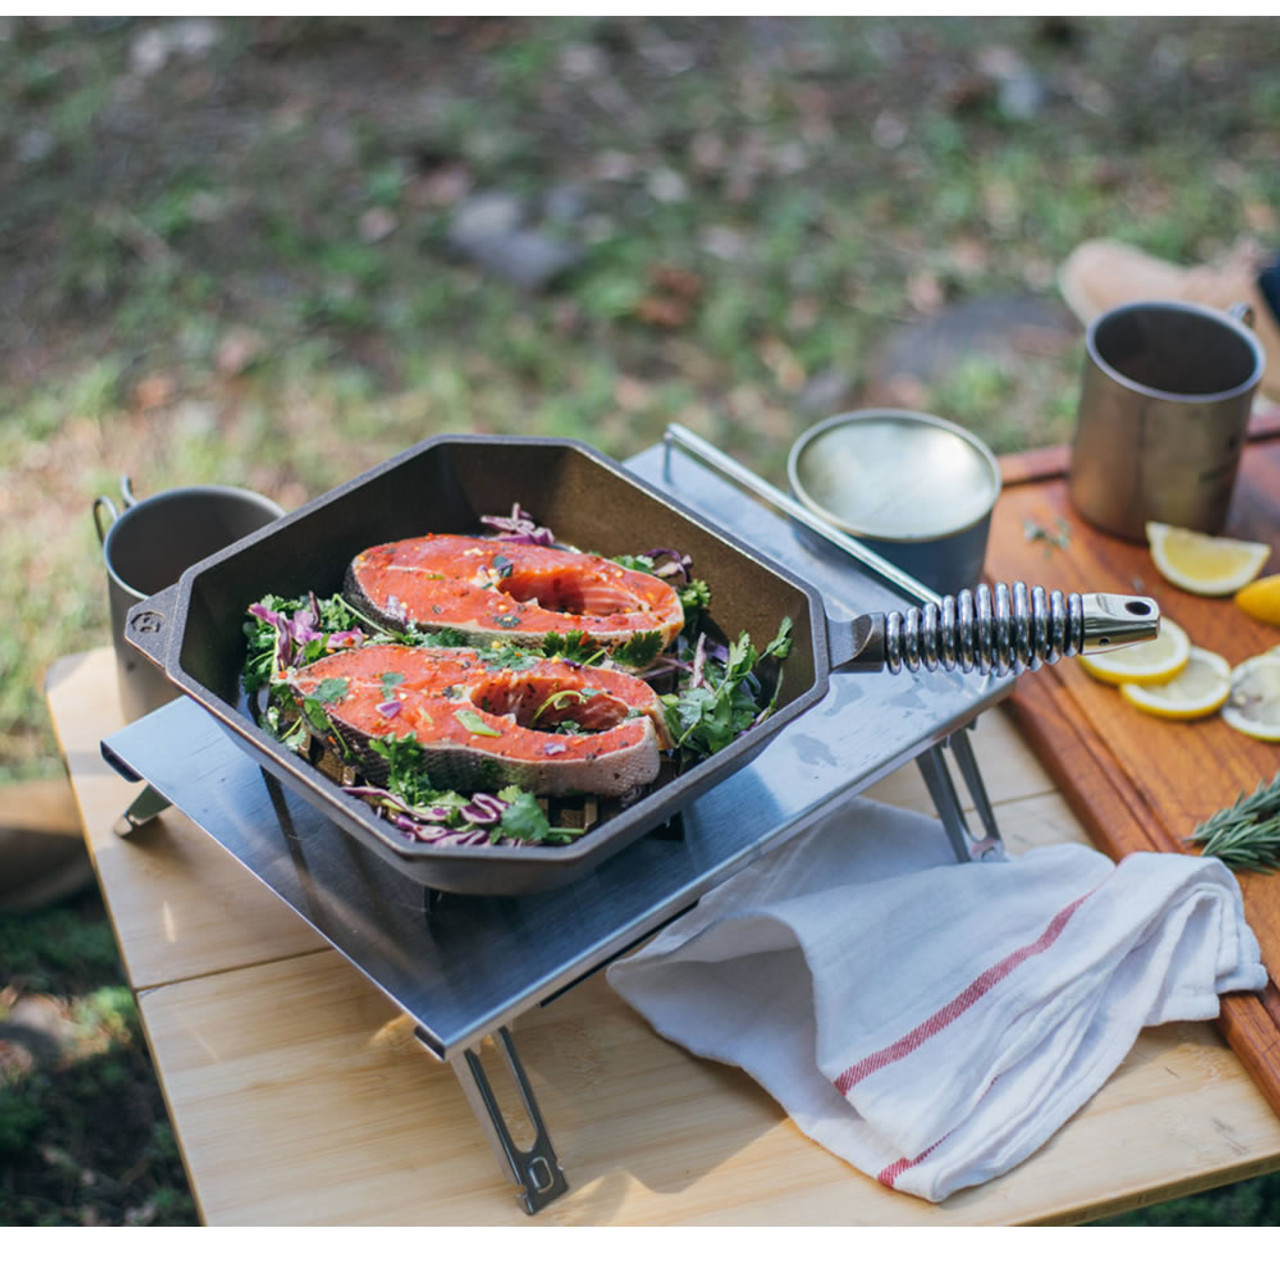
point(444, 486)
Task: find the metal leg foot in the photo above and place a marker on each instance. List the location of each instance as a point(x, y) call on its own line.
point(148, 804)
point(968, 846)
point(535, 1170)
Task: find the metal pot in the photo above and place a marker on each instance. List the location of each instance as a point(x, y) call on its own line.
point(916, 489)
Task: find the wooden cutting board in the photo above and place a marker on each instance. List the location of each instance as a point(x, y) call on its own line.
point(1137, 782)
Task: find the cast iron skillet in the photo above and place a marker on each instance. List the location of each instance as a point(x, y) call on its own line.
point(194, 630)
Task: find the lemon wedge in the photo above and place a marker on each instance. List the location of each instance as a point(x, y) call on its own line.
point(1199, 689)
point(1204, 565)
point(1254, 704)
point(1148, 663)
point(1261, 599)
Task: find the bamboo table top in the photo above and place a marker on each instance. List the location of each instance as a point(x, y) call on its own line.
point(300, 1096)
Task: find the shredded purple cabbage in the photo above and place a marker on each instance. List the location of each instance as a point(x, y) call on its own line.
point(520, 526)
point(677, 563)
point(389, 709)
point(480, 816)
point(345, 639)
point(483, 809)
point(699, 660)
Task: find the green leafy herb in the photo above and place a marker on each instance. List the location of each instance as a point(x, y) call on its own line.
point(780, 646)
point(406, 775)
point(642, 564)
point(314, 710)
point(502, 566)
point(1246, 836)
point(470, 721)
point(522, 819)
point(331, 690)
point(640, 650)
point(508, 657)
point(574, 646)
point(695, 597)
point(337, 615)
point(706, 718)
point(507, 620)
point(438, 638)
point(259, 662)
point(389, 681)
point(558, 700)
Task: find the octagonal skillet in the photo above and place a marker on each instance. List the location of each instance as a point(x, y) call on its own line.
point(194, 629)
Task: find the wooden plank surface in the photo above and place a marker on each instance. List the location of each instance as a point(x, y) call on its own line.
point(1138, 782)
point(299, 1095)
point(363, 1128)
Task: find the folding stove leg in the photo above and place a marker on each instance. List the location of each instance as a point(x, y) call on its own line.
point(535, 1170)
point(933, 764)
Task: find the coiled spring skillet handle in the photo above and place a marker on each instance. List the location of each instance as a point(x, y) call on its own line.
point(998, 629)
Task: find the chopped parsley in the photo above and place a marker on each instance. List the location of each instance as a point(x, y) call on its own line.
point(331, 690)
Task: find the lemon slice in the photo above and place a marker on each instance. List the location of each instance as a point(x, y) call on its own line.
point(1199, 689)
point(1254, 704)
point(1151, 662)
point(1261, 599)
point(1204, 565)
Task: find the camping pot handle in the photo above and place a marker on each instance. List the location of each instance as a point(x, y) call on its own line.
point(102, 502)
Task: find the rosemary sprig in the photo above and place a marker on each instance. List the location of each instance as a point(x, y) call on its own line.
point(1245, 836)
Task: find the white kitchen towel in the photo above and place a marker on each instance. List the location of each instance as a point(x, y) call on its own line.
point(934, 1023)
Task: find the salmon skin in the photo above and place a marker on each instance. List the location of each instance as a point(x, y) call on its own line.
point(485, 725)
point(491, 589)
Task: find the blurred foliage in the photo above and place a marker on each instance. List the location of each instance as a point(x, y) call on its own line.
point(84, 1138)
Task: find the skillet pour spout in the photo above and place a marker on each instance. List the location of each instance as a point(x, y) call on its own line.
point(998, 629)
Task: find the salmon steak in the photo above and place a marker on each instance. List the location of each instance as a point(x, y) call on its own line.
point(492, 589)
point(485, 725)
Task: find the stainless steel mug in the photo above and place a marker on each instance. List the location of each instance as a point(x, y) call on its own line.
point(1164, 408)
point(148, 545)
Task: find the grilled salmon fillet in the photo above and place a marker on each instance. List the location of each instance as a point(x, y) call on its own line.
point(486, 726)
point(491, 589)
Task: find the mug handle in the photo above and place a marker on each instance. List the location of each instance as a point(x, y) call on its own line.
point(98, 504)
point(126, 485)
point(1241, 312)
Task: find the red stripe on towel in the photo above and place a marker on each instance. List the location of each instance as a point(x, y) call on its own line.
point(892, 1172)
point(950, 1012)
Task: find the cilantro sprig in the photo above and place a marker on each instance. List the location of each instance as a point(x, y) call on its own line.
point(707, 717)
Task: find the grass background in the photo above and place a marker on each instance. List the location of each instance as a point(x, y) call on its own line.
point(226, 254)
